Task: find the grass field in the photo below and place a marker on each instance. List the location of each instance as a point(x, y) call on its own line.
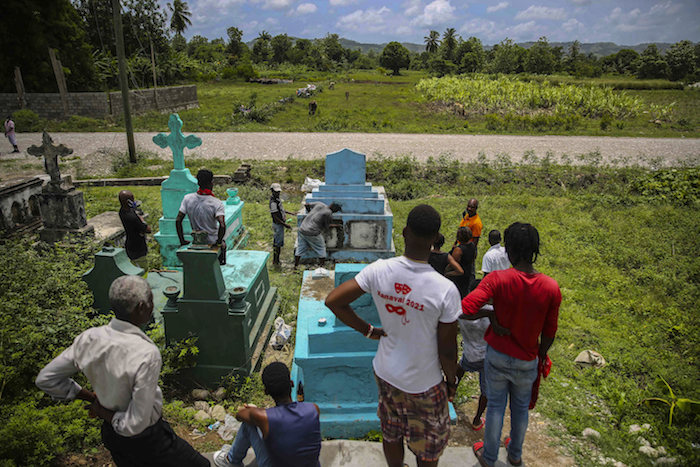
point(379, 103)
point(626, 261)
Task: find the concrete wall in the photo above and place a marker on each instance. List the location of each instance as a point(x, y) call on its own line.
point(100, 104)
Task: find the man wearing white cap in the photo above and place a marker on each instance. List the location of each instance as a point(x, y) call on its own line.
point(279, 221)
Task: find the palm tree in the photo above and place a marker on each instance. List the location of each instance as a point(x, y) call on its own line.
point(264, 36)
point(449, 43)
point(432, 41)
point(181, 16)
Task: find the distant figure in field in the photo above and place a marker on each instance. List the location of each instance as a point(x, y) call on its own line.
point(347, 95)
point(443, 262)
point(10, 133)
point(471, 219)
point(310, 233)
point(135, 228)
point(415, 364)
point(122, 365)
point(331, 85)
point(496, 257)
point(286, 435)
point(312, 107)
point(205, 211)
point(526, 303)
point(464, 252)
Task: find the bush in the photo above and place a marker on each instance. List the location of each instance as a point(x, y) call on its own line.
point(27, 121)
point(245, 71)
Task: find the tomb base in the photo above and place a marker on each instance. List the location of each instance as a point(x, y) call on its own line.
point(110, 264)
point(334, 362)
point(52, 235)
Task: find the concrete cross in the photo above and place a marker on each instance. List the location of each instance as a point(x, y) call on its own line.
point(177, 141)
point(50, 153)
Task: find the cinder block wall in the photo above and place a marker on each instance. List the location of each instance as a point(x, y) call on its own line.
point(100, 104)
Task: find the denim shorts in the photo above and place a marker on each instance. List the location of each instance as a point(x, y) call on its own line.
point(278, 236)
point(472, 367)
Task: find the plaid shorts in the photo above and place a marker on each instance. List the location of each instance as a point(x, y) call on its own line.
point(423, 419)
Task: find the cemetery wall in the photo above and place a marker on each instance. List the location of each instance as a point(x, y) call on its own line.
point(100, 104)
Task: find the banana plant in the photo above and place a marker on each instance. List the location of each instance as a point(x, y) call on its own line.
point(673, 402)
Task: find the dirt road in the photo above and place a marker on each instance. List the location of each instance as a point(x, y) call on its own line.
point(656, 151)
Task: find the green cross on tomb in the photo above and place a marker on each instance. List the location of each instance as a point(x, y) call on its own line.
point(177, 141)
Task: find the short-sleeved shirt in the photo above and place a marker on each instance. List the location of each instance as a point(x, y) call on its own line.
point(495, 259)
point(411, 299)
point(135, 230)
point(473, 337)
point(317, 220)
point(276, 206)
point(474, 224)
point(526, 304)
point(202, 211)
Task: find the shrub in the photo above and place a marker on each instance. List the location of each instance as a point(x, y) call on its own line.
point(27, 120)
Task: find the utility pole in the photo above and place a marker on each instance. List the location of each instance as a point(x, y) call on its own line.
point(124, 84)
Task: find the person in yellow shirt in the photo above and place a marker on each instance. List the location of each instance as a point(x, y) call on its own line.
point(472, 220)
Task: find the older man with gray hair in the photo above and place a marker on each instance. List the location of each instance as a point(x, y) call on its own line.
point(123, 366)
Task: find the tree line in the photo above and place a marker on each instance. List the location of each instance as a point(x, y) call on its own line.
point(82, 33)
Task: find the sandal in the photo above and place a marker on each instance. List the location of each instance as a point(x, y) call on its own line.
point(479, 426)
point(510, 459)
point(478, 449)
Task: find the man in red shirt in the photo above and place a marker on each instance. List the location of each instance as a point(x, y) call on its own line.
point(526, 303)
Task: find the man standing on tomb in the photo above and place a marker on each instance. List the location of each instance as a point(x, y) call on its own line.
point(10, 133)
point(471, 219)
point(123, 366)
point(416, 362)
point(286, 435)
point(135, 228)
point(310, 234)
point(206, 213)
point(279, 221)
point(526, 302)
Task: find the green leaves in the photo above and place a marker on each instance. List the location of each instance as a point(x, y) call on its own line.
point(684, 405)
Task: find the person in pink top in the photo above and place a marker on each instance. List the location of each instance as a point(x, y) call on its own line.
point(523, 325)
point(10, 133)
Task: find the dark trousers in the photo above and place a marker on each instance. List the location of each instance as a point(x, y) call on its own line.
point(158, 445)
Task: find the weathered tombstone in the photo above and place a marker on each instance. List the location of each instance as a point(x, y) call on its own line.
point(62, 207)
point(19, 205)
point(367, 220)
point(110, 264)
point(173, 190)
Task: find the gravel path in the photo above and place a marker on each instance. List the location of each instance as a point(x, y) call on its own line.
point(263, 146)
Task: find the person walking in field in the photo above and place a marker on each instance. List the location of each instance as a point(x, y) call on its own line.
point(123, 366)
point(10, 133)
point(526, 303)
point(415, 363)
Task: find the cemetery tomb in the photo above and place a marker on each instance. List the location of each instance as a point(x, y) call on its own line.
point(367, 221)
point(110, 264)
point(176, 186)
point(333, 362)
point(19, 205)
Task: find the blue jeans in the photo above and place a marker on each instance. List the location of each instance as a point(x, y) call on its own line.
point(249, 436)
point(506, 376)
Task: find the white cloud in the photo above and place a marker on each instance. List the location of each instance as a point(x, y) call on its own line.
point(272, 21)
point(495, 8)
point(572, 25)
point(541, 12)
point(371, 19)
point(580, 2)
point(341, 2)
point(521, 31)
point(436, 13)
point(657, 18)
point(274, 4)
point(412, 8)
point(667, 8)
point(306, 8)
point(482, 28)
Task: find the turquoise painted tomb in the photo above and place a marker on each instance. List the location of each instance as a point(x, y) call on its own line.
point(367, 221)
point(178, 184)
point(334, 362)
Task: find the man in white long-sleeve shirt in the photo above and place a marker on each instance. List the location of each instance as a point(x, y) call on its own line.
point(123, 366)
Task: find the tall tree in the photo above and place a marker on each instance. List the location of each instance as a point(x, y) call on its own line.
point(651, 64)
point(333, 48)
point(180, 19)
point(539, 58)
point(281, 46)
point(681, 60)
point(432, 42)
point(470, 55)
point(395, 56)
point(449, 44)
point(261, 47)
point(507, 57)
point(236, 48)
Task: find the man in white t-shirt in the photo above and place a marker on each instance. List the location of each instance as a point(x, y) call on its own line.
point(206, 213)
point(416, 362)
point(495, 259)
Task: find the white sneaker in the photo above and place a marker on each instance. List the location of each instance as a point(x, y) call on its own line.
point(220, 459)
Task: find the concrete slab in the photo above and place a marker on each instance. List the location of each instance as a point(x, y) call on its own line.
point(108, 228)
point(349, 453)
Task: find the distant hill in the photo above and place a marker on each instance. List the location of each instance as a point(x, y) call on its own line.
point(353, 45)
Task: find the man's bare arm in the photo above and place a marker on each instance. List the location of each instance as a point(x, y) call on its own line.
point(447, 353)
point(339, 300)
point(222, 229)
point(254, 416)
point(545, 344)
point(178, 228)
point(453, 267)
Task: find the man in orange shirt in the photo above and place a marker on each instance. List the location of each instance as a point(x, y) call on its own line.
point(472, 220)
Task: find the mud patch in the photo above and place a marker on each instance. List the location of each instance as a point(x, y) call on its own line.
point(317, 289)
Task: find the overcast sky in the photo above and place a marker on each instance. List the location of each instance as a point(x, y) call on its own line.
point(626, 22)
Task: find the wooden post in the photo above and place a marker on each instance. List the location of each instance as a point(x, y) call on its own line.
point(155, 83)
point(60, 80)
point(19, 84)
point(119, 35)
